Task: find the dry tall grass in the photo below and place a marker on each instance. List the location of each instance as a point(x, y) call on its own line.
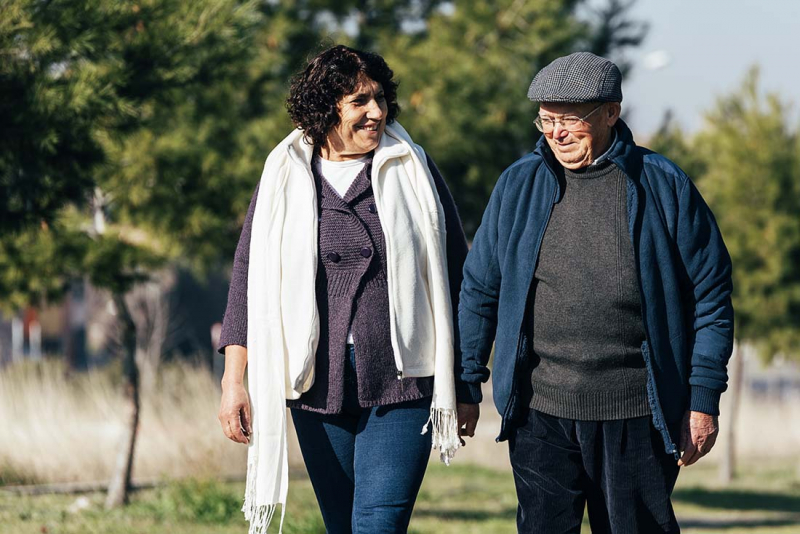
point(54, 429)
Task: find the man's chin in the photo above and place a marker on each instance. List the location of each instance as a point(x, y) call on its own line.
point(571, 164)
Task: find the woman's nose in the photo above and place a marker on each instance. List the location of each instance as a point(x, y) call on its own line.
point(374, 110)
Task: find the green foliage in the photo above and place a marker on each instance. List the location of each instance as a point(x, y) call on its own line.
point(198, 501)
point(81, 83)
point(76, 73)
point(211, 502)
point(670, 141)
point(135, 132)
point(753, 185)
point(464, 84)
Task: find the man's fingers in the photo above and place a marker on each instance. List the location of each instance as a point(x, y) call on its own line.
point(690, 455)
point(685, 433)
point(710, 441)
point(468, 415)
point(696, 455)
point(470, 427)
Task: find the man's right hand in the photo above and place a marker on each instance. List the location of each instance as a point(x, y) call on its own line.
point(234, 413)
point(468, 415)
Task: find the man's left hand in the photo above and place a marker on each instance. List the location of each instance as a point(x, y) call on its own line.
point(698, 435)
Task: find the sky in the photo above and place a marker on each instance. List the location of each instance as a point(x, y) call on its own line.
point(696, 50)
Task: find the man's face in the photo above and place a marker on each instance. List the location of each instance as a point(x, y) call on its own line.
point(580, 146)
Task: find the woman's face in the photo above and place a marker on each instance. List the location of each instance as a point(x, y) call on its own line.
point(362, 117)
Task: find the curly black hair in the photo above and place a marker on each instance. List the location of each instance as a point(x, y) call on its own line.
point(314, 96)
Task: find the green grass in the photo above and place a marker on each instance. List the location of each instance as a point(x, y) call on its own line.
point(459, 499)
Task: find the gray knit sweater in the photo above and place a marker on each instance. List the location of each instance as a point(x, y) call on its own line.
point(587, 318)
point(352, 295)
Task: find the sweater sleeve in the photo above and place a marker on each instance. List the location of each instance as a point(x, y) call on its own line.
point(234, 324)
point(456, 254)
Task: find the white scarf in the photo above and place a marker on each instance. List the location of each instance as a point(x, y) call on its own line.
point(282, 316)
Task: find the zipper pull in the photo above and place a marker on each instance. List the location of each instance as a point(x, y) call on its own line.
point(399, 374)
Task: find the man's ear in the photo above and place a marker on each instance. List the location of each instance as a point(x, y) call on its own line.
point(612, 112)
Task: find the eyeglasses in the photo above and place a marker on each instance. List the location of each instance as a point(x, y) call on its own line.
point(570, 123)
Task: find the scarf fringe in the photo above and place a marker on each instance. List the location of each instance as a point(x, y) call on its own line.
point(445, 435)
point(261, 516)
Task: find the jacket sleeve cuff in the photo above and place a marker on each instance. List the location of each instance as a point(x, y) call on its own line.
point(705, 400)
point(468, 393)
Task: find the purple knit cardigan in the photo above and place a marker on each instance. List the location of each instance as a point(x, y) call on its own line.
point(352, 294)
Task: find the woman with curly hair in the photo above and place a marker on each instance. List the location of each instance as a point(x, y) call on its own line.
point(343, 292)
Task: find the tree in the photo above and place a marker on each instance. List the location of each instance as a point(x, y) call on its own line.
point(86, 81)
point(464, 81)
point(753, 185)
point(670, 141)
point(752, 182)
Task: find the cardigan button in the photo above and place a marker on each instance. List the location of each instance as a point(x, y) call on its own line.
point(366, 252)
point(373, 209)
point(333, 257)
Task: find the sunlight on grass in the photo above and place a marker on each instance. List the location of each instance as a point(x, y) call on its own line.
point(57, 429)
point(63, 430)
point(457, 499)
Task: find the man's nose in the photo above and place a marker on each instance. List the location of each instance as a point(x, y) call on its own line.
point(559, 131)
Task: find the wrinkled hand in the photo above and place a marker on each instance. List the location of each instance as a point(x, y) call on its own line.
point(698, 435)
point(234, 413)
point(468, 415)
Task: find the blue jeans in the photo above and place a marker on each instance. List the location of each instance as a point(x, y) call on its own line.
point(365, 464)
point(617, 469)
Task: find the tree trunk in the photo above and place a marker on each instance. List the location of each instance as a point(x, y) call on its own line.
point(121, 477)
point(727, 467)
point(149, 307)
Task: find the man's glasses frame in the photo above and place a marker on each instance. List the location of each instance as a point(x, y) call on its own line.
point(570, 123)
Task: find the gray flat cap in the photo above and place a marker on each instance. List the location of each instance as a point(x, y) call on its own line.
point(576, 78)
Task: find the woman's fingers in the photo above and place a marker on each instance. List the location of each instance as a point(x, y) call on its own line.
point(234, 415)
point(235, 429)
point(247, 424)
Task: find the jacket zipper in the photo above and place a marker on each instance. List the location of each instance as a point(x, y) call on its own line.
point(658, 415)
point(519, 339)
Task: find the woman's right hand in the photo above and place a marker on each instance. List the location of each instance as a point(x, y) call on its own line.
point(234, 413)
point(234, 409)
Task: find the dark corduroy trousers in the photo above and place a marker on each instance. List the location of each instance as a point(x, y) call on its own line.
point(617, 469)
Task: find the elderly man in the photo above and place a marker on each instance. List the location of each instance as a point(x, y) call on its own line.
point(600, 274)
